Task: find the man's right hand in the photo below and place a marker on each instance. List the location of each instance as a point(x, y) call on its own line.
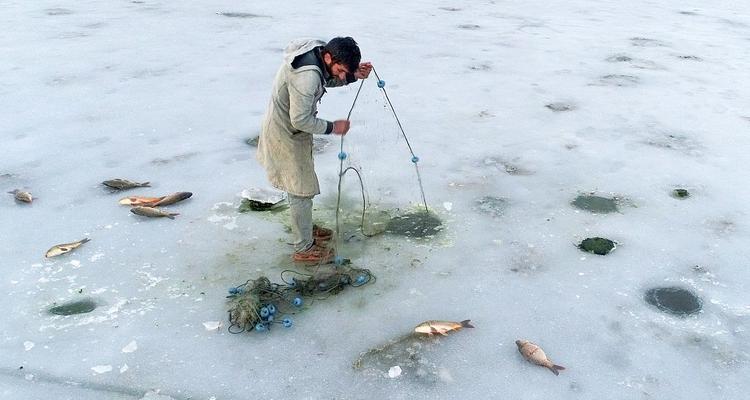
point(341, 127)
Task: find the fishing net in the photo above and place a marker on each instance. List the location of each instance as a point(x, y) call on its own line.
point(258, 304)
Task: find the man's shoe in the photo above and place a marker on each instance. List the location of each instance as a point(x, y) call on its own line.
point(316, 254)
point(322, 234)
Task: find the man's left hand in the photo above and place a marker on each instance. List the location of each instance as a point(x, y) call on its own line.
point(363, 71)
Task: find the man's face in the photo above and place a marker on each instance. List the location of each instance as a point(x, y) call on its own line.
point(334, 68)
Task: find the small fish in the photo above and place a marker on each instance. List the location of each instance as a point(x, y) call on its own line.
point(533, 353)
point(122, 184)
point(58, 249)
point(22, 196)
point(140, 201)
point(152, 212)
point(441, 327)
point(173, 198)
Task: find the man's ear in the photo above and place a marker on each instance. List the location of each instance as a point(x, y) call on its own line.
point(327, 58)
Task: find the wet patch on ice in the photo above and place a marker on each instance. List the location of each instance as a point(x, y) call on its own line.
point(633, 62)
point(230, 14)
point(597, 245)
point(617, 80)
point(596, 204)
point(471, 27)
point(449, 8)
point(415, 358)
point(82, 306)
point(177, 158)
point(721, 227)
point(58, 11)
point(493, 206)
point(526, 259)
point(480, 67)
point(511, 168)
point(560, 107)
point(688, 57)
point(647, 42)
point(676, 142)
point(418, 224)
point(674, 300)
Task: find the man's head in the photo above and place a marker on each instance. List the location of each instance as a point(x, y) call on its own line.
point(341, 56)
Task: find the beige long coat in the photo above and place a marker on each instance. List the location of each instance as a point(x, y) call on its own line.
point(285, 143)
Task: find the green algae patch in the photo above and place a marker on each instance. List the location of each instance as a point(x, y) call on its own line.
point(418, 224)
point(83, 306)
point(595, 204)
point(680, 193)
point(597, 245)
point(674, 300)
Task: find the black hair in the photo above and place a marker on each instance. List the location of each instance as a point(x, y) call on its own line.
point(344, 50)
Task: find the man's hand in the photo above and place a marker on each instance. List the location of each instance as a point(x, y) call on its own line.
point(341, 127)
point(363, 71)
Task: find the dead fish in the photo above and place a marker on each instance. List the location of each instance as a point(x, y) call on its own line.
point(152, 212)
point(122, 184)
point(533, 353)
point(22, 196)
point(140, 201)
point(173, 198)
point(441, 327)
point(58, 249)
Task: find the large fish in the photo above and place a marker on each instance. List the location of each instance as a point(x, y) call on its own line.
point(441, 327)
point(140, 201)
point(122, 184)
point(152, 212)
point(533, 353)
point(22, 196)
point(58, 249)
point(173, 198)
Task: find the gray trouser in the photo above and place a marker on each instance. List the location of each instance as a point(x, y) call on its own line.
point(300, 209)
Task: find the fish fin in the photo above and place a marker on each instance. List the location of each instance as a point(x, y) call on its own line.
point(466, 323)
point(433, 331)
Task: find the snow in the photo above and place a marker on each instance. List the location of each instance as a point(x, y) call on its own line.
point(644, 97)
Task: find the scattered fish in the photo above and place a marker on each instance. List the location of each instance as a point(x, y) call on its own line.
point(122, 184)
point(140, 201)
point(22, 196)
point(441, 327)
point(533, 353)
point(152, 212)
point(173, 198)
point(58, 249)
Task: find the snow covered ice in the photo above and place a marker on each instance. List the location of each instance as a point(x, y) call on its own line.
point(515, 109)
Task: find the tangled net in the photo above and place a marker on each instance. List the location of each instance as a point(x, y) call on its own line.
point(259, 303)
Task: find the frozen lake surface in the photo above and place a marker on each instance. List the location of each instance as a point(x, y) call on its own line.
point(538, 125)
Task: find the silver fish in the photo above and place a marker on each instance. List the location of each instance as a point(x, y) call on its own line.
point(22, 196)
point(122, 184)
point(58, 249)
point(173, 198)
point(152, 212)
point(533, 353)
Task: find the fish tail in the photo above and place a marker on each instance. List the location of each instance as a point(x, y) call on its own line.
point(84, 240)
point(144, 184)
point(555, 368)
point(171, 215)
point(466, 323)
